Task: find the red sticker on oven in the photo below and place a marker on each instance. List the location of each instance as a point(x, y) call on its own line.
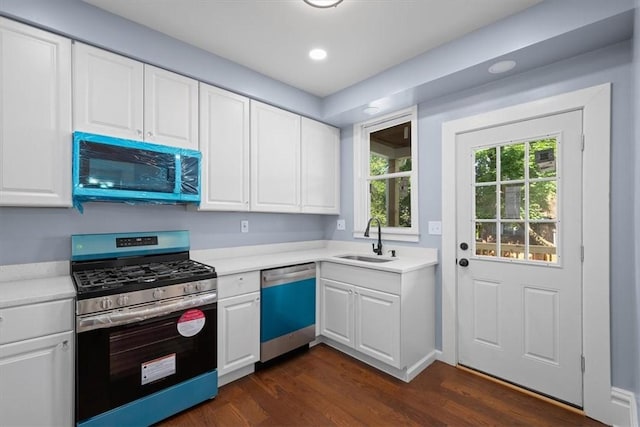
point(191, 322)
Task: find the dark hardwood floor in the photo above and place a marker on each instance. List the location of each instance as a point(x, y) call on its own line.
point(323, 387)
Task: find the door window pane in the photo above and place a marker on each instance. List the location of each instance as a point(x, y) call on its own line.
point(542, 242)
point(486, 243)
point(542, 200)
point(512, 201)
point(512, 162)
point(486, 202)
point(512, 243)
point(485, 164)
point(390, 150)
point(542, 158)
point(390, 201)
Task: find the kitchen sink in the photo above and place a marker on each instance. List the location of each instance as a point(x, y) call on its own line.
point(365, 258)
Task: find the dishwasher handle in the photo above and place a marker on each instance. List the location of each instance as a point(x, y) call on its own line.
point(287, 275)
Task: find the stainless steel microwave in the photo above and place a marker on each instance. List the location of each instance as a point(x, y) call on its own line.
point(114, 169)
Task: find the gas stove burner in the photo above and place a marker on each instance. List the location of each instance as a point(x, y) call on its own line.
point(116, 277)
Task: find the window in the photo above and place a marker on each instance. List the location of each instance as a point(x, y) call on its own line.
point(386, 175)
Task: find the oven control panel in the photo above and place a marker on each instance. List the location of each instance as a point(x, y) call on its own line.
point(118, 301)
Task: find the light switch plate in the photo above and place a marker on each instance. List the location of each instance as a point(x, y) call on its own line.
point(340, 225)
point(244, 226)
point(435, 227)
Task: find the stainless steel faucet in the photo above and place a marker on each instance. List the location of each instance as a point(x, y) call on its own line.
point(376, 250)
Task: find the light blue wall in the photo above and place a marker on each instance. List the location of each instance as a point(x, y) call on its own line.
point(43, 234)
point(636, 73)
point(612, 64)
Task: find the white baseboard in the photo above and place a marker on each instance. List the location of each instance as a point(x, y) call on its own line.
point(235, 375)
point(626, 401)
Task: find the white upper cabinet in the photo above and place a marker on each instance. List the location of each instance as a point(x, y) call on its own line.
point(108, 93)
point(121, 97)
point(320, 148)
point(170, 108)
point(35, 117)
point(224, 143)
point(275, 159)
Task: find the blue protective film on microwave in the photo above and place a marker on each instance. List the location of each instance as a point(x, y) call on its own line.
point(115, 169)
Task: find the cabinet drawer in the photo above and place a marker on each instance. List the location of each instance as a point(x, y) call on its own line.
point(35, 320)
point(378, 280)
point(238, 284)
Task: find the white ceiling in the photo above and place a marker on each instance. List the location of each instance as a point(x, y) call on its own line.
point(273, 37)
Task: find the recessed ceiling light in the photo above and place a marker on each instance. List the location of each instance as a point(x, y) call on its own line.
point(323, 4)
point(502, 67)
point(371, 110)
point(317, 54)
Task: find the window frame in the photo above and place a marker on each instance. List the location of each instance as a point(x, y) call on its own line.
point(361, 175)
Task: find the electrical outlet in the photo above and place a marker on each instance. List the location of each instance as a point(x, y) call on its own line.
point(340, 225)
point(435, 227)
point(244, 226)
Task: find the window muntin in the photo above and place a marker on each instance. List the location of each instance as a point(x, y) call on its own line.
point(516, 216)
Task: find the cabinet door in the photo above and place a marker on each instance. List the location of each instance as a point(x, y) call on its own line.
point(336, 311)
point(238, 332)
point(37, 381)
point(107, 93)
point(377, 324)
point(275, 159)
point(35, 117)
point(320, 168)
point(170, 108)
point(224, 143)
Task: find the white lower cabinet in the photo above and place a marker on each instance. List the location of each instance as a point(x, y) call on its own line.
point(379, 316)
point(37, 372)
point(361, 318)
point(238, 325)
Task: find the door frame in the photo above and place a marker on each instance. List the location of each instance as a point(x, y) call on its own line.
point(595, 102)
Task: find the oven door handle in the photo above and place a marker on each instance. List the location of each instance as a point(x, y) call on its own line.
point(140, 313)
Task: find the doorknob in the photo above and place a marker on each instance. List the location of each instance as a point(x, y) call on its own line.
point(463, 262)
point(464, 246)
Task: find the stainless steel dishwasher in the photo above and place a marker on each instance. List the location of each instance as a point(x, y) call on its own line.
point(287, 309)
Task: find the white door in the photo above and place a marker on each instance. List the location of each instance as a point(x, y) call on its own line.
point(519, 245)
point(35, 117)
point(377, 324)
point(170, 108)
point(107, 93)
point(239, 332)
point(224, 143)
point(336, 318)
point(275, 159)
point(320, 167)
point(36, 386)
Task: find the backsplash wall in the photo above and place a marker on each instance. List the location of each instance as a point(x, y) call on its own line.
point(43, 234)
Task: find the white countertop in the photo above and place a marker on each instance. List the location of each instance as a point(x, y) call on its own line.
point(407, 258)
point(39, 282)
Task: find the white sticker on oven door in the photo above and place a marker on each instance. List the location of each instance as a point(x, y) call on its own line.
point(191, 322)
point(156, 369)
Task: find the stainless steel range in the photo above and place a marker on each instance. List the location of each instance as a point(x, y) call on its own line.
point(146, 323)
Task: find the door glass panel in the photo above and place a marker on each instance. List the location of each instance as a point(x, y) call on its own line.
point(512, 243)
point(542, 158)
point(486, 239)
point(512, 201)
point(485, 164)
point(390, 150)
point(512, 162)
point(542, 200)
point(486, 202)
point(542, 242)
point(390, 201)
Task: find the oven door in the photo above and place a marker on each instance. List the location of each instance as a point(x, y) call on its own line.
point(120, 364)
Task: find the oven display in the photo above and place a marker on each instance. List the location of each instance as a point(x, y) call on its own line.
point(125, 242)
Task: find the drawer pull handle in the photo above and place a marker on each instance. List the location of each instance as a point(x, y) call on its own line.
point(65, 345)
